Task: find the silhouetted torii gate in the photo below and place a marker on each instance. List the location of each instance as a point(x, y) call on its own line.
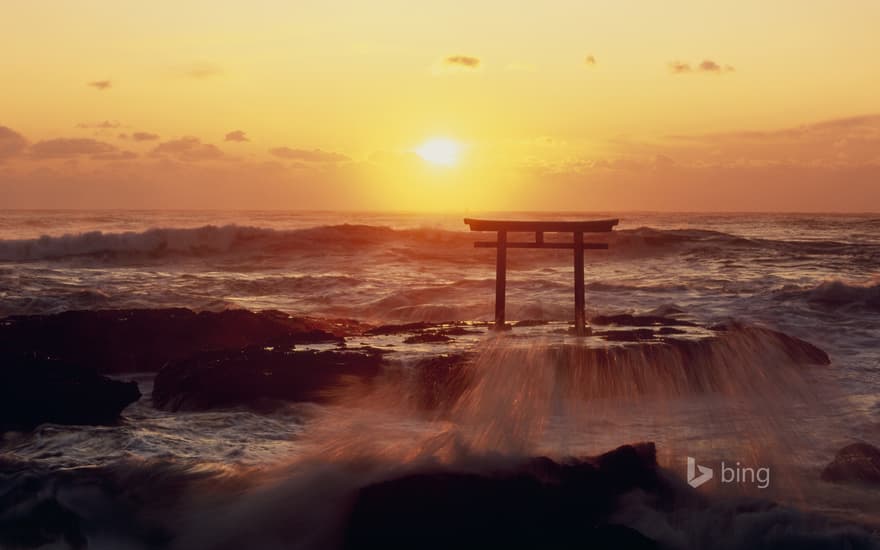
point(577, 229)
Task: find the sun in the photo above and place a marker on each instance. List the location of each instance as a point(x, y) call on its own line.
point(440, 151)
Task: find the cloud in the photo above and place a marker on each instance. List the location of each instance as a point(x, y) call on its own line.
point(117, 155)
point(590, 60)
point(710, 66)
point(457, 64)
point(188, 148)
point(678, 67)
point(236, 135)
point(465, 61)
point(105, 125)
point(314, 155)
point(69, 147)
point(100, 84)
point(11, 142)
point(200, 70)
point(706, 66)
point(655, 162)
point(144, 136)
point(849, 141)
point(856, 127)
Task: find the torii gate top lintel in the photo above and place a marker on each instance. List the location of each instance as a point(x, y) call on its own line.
point(552, 226)
point(576, 228)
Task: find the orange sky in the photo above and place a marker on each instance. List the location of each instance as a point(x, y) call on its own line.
point(612, 105)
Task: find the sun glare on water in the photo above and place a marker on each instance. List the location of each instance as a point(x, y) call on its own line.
point(440, 151)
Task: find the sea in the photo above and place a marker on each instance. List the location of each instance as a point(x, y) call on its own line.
point(811, 276)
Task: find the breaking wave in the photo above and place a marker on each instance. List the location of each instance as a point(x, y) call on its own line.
point(836, 294)
point(430, 243)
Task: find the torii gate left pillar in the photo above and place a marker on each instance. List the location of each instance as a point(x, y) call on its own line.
point(577, 244)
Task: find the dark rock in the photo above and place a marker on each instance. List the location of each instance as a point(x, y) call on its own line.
point(427, 338)
point(145, 339)
point(109, 506)
point(530, 323)
point(798, 350)
point(459, 331)
point(855, 463)
point(386, 330)
point(46, 522)
point(35, 389)
point(535, 503)
point(259, 378)
point(639, 321)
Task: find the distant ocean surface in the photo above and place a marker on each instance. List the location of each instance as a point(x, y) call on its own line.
point(813, 276)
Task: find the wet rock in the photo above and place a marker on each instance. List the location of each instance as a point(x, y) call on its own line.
point(530, 323)
point(386, 330)
point(36, 389)
point(259, 378)
point(427, 338)
point(855, 463)
point(460, 331)
point(143, 340)
point(536, 503)
point(448, 328)
point(639, 321)
point(800, 351)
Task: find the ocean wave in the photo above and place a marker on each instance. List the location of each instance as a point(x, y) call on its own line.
point(211, 240)
point(153, 242)
point(476, 501)
point(836, 294)
point(423, 243)
point(603, 286)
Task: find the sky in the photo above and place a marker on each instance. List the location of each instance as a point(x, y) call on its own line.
point(553, 105)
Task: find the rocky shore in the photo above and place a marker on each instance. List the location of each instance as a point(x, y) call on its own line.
point(58, 364)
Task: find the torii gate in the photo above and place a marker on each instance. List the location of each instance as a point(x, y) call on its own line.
point(577, 229)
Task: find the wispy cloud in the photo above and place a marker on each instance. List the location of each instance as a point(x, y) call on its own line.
point(100, 84)
point(707, 66)
point(104, 125)
point(117, 155)
point(467, 61)
point(200, 70)
point(69, 147)
point(144, 136)
point(457, 64)
point(188, 148)
point(678, 67)
point(306, 155)
point(236, 135)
